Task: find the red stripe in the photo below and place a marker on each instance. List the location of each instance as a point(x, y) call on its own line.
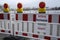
point(47, 37)
point(1, 16)
point(2, 30)
point(9, 31)
point(16, 16)
point(35, 35)
point(25, 17)
point(58, 38)
point(8, 16)
point(59, 18)
point(16, 32)
point(50, 18)
point(24, 34)
point(34, 17)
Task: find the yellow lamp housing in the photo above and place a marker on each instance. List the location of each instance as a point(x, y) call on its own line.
point(19, 10)
point(6, 10)
point(42, 10)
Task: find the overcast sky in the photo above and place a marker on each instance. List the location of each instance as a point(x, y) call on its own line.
point(31, 3)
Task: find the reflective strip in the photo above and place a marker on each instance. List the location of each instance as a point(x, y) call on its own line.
point(50, 18)
point(25, 17)
point(24, 34)
point(59, 19)
point(34, 17)
point(2, 30)
point(16, 16)
point(16, 32)
point(8, 15)
point(47, 37)
point(35, 35)
point(1, 16)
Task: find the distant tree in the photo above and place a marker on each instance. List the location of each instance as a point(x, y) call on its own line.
point(56, 8)
point(59, 8)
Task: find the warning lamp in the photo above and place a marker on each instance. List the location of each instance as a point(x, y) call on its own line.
point(5, 8)
point(42, 4)
point(19, 5)
point(19, 8)
point(42, 8)
point(5, 5)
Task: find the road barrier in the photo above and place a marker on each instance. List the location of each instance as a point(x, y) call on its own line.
point(36, 26)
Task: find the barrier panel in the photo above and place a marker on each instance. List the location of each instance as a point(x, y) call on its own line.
point(5, 24)
point(30, 31)
point(37, 26)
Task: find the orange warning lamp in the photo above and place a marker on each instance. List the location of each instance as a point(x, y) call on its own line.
point(19, 8)
point(5, 5)
point(42, 8)
point(6, 8)
point(19, 5)
point(42, 4)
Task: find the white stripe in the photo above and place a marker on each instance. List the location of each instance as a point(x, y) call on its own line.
point(25, 26)
point(54, 32)
point(30, 17)
point(55, 18)
point(48, 29)
point(53, 38)
point(30, 27)
point(20, 17)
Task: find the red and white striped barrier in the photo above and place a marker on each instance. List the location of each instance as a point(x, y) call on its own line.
point(25, 17)
point(34, 25)
point(50, 18)
point(30, 29)
point(25, 29)
point(5, 24)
